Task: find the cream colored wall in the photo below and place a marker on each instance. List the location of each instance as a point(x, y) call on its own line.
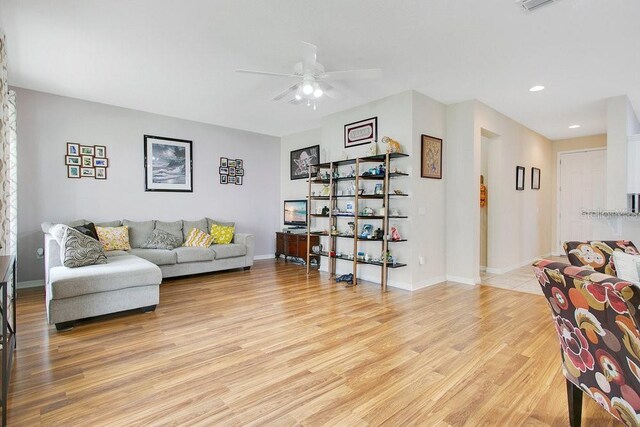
point(563, 145)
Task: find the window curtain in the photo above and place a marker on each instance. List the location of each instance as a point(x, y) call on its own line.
point(8, 141)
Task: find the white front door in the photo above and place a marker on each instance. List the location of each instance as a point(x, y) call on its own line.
point(582, 186)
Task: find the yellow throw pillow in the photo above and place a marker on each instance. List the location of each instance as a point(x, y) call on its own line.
point(114, 238)
point(198, 239)
point(222, 235)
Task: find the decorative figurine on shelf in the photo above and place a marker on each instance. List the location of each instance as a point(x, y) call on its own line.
point(378, 234)
point(336, 174)
point(393, 146)
point(380, 170)
point(352, 189)
point(352, 228)
point(352, 173)
point(378, 189)
point(367, 229)
point(325, 210)
point(398, 191)
point(395, 235)
point(334, 231)
point(367, 211)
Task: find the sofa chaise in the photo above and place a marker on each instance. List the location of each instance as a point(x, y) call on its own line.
point(130, 279)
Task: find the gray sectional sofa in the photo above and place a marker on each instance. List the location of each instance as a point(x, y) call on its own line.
point(130, 279)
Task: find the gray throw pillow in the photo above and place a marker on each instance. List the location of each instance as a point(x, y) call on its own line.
point(200, 225)
point(174, 227)
point(78, 250)
point(161, 239)
point(210, 222)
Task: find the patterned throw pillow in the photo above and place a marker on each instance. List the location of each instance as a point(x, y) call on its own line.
point(78, 250)
point(114, 238)
point(160, 239)
point(222, 235)
point(198, 239)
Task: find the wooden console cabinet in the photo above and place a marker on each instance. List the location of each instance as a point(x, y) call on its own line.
point(293, 244)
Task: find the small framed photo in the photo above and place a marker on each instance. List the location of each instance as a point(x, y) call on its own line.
point(101, 173)
point(239, 163)
point(73, 171)
point(232, 171)
point(231, 163)
point(223, 162)
point(86, 150)
point(232, 180)
point(239, 171)
point(100, 151)
point(88, 172)
point(520, 178)
point(378, 189)
point(72, 160)
point(535, 178)
point(238, 180)
point(224, 170)
point(103, 163)
point(73, 149)
point(87, 161)
point(223, 179)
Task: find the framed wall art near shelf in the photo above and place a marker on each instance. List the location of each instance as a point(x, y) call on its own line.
point(431, 157)
point(301, 159)
point(535, 178)
point(361, 132)
point(168, 164)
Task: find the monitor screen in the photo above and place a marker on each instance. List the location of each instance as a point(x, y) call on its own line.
point(295, 212)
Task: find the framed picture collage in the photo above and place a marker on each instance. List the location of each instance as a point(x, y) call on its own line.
point(86, 161)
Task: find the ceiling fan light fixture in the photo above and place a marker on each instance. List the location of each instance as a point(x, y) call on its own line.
point(307, 88)
point(317, 93)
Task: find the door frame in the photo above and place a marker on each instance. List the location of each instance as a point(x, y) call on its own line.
point(558, 242)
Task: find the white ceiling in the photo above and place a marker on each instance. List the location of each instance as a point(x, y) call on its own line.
point(178, 57)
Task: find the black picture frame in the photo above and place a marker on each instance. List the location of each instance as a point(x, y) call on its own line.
point(177, 146)
point(299, 161)
point(535, 178)
point(520, 178)
point(361, 132)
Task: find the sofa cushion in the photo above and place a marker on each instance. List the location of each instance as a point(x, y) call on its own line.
point(79, 250)
point(160, 239)
point(114, 238)
point(210, 222)
point(193, 254)
point(116, 253)
point(200, 225)
point(117, 223)
point(118, 273)
point(139, 231)
point(174, 228)
point(156, 256)
point(229, 251)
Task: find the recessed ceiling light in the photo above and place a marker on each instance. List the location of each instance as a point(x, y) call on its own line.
point(536, 88)
point(574, 126)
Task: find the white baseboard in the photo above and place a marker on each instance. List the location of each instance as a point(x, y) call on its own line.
point(463, 280)
point(267, 256)
point(30, 284)
point(515, 266)
point(429, 282)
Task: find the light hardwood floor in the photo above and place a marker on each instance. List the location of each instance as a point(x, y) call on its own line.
point(275, 347)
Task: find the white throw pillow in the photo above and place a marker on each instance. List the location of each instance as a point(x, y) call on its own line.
point(57, 232)
point(627, 266)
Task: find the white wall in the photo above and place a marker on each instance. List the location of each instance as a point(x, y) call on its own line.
point(403, 117)
point(519, 223)
point(45, 124)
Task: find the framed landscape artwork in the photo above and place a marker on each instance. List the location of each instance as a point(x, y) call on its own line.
point(362, 132)
point(431, 160)
point(168, 164)
point(301, 159)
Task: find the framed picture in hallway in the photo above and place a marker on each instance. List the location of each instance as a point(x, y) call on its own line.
point(431, 157)
point(168, 164)
point(520, 178)
point(535, 178)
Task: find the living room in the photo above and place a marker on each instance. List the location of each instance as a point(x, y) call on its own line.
point(507, 96)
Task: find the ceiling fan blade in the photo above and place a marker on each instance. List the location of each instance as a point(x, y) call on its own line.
point(266, 73)
point(286, 92)
point(373, 73)
point(297, 101)
point(331, 91)
point(309, 55)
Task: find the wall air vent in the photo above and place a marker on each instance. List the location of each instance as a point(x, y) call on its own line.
point(531, 5)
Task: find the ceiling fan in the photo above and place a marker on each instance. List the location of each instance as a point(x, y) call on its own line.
point(312, 79)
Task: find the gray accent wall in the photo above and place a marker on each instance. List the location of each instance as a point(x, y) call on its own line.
point(47, 122)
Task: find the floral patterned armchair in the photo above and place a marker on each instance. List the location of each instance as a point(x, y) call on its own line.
point(595, 316)
point(597, 254)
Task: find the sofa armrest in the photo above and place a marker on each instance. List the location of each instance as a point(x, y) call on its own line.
point(249, 240)
point(51, 255)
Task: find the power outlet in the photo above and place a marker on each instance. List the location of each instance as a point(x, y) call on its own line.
point(421, 260)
